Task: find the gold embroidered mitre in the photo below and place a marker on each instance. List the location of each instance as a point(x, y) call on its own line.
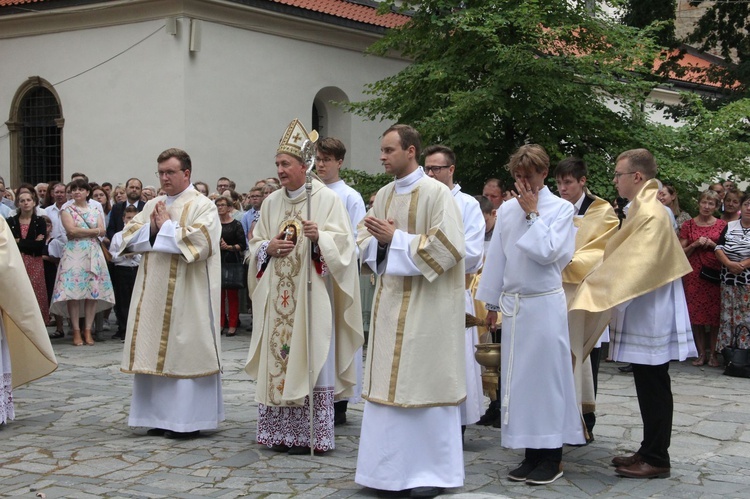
point(642, 256)
point(293, 138)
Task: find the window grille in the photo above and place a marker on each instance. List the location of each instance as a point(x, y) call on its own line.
point(40, 137)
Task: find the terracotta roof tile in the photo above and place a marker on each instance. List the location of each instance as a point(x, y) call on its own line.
point(338, 8)
point(349, 10)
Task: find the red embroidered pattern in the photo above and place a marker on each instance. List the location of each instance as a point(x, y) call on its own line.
point(291, 425)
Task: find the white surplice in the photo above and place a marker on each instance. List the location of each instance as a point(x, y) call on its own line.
point(471, 214)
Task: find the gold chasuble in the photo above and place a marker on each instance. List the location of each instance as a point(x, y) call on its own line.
point(415, 354)
point(172, 325)
point(593, 230)
point(638, 258)
point(31, 354)
point(277, 358)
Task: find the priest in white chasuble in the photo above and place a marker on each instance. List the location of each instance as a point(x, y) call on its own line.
point(286, 244)
point(414, 381)
point(532, 242)
point(172, 340)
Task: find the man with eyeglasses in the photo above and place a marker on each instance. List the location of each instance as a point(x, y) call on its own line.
point(649, 313)
point(172, 339)
point(440, 164)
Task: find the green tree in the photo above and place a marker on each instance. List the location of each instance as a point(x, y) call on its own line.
point(726, 26)
point(644, 13)
point(490, 75)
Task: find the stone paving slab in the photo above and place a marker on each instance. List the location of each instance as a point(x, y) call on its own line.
point(71, 439)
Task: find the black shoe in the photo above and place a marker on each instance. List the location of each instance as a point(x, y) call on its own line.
point(339, 418)
point(519, 474)
point(490, 416)
point(181, 435)
point(626, 369)
point(119, 335)
point(156, 432)
point(546, 472)
point(425, 492)
point(279, 448)
point(498, 423)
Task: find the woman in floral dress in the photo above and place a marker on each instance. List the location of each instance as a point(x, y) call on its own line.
point(83, 286)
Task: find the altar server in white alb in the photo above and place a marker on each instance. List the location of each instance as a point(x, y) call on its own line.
point(532, 243)
point(440, 164)
point(172, 339)
point(329, 157)
point(414, 372)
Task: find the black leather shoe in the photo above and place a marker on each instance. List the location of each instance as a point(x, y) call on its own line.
point(279, 448)
point(181, 435)
point(301, 450)
point(626, 369)
point(490, 416)
point(425, 492)
point(156, 432)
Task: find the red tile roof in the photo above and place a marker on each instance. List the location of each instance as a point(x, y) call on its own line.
point(337, 8)
point(349, 10)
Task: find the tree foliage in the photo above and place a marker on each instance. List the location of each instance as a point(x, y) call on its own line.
point(726, 26)
point(490, 75)
point(644, 13)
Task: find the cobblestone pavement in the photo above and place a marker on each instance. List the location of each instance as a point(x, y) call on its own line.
point(71, 439)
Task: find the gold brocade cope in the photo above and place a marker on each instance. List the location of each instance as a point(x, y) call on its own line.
point(277, 356)
point(31, 354)
point(642, 256)
point(593, 231)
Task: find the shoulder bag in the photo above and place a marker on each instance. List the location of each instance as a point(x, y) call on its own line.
point(736, 358)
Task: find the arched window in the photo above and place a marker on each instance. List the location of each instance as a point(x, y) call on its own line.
point(35, 127)
point(330, 120)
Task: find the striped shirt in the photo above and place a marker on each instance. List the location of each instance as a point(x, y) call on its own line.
point(735, 243)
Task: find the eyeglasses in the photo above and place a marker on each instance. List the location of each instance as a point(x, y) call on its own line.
point(221, 205)
point(167, 173)
point(618, 174)
point(434, 169)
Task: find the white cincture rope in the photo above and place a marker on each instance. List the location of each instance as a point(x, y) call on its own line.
point(516, 307)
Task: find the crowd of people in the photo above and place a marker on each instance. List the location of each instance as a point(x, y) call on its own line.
point(297, 248)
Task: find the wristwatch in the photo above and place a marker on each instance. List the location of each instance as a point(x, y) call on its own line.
point(532, 216)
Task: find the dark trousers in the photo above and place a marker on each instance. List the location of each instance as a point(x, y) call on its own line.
point(539, 455)
point(654, 390)
point(123, 282)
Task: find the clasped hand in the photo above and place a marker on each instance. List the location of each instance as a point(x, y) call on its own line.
point(159, 216)
point(381, 229)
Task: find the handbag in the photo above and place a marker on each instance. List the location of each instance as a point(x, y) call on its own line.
point(707, 272)
point(737, 359)
point(710, 274)
point(233, 275)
